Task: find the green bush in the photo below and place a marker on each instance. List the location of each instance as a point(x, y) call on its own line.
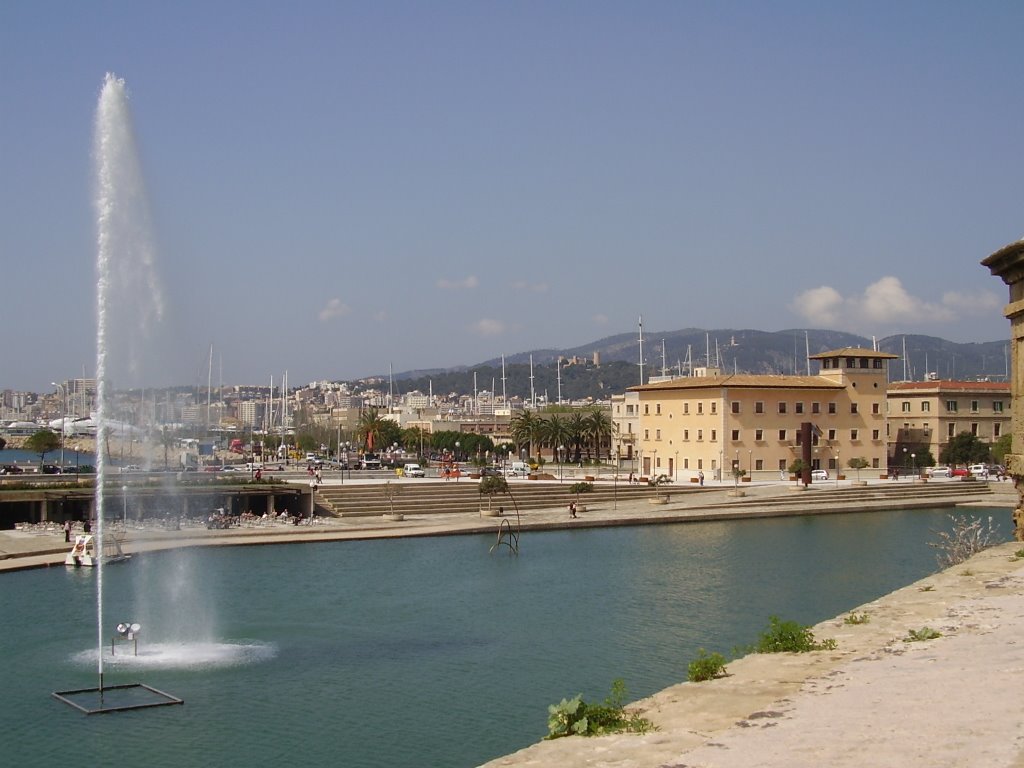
point(917, 635)
point(581, 487)
point(857, 618)
point(789, 637)
point(706, 667)
point(575, 717)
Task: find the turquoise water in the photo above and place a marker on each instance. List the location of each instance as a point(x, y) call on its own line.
point(419, 652)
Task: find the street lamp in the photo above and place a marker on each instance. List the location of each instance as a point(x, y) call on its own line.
point(904, 459)
point(736, 472)
point(913, 462)
point(124, 506)
point(561, 460)
point(839, 465)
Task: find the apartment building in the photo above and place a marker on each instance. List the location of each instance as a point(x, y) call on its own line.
point(926, 414)
point(712, 422)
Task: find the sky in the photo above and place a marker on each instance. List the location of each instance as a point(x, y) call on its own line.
point(336, 188)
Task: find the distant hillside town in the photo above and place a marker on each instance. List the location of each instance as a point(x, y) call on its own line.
point(703, 413)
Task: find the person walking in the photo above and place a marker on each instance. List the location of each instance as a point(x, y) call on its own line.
point(700, 477)
point(67, 531)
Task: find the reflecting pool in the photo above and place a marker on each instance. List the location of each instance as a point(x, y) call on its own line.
point(417, 652)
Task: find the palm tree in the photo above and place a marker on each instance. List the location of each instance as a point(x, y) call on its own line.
point(599, 429)
point(577, 426)
point(526, 430)
point(369, 429)
point(555, 432)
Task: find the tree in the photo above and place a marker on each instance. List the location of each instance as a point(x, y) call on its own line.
point(965, 448)
point(599, 429)
point(555, 433)
point(576, 426)
point(1002, 448)
point(167, 440)
point(796, 468)
point(526, 430)
point(857, 463)
point(491, 486)
point(42, 442)
point(375, 432)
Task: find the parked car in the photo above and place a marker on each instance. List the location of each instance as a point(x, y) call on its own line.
point(11, 469)
point(490, 472)
point(414, 470)
point(978, 470)
point(939, 472)
point(819, 474)
point(961, 472)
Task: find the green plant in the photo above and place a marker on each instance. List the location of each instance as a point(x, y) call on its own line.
point(857, 463)
point(917, 635)
point(857, 618)
point(789, 637)
point(581, 487)
point(1018, 555)
point(491, 486)
point(968, 537)
point(926, 588)
point(706, 667)
point(575, 716)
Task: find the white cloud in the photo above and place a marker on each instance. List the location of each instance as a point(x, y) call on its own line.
point(489, 327)
point(468, 283)
point(887, 306)
point(334, 308)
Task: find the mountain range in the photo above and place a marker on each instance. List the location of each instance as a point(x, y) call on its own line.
point(740, 350)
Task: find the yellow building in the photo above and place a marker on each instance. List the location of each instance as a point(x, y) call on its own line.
point(702, 424)
point(926, 414)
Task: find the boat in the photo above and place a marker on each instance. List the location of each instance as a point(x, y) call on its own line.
point(83, 553)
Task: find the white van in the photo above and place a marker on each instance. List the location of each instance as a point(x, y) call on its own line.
point(518, 469)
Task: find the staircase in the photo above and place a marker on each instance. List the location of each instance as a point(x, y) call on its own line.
point(427, 497)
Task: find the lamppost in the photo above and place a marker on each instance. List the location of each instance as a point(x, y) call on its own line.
point(124, 506)
point(736, 472)
point(750, 465)
point(913, 463)
point(561, 460)
point(63, 419)
point(615, 482)
point(839, 466)
point(904, 459)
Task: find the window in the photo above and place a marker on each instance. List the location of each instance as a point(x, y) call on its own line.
point(996, 429)
point(686, 409)
point(782, 465)
point(686, 434)
point(853, 407)
point(974, 406)
point(951, 406)
point(831, 434)
point(815, 407)
point(759, 407)
point(647, 434)
point(926, 407)
point(877, 364)
point(799, 437)
point(832, 408)
point(657, 409)
point(854, 434)
point(782, 434)
point(997, 406)
point(876, 408)
point(759, 464)
point(905, 406)
point(735, 406)
point(700, 434)
point(647, 409)
point(759, 434)
point(951, 430)
point(714, 435)
point(657, 434)
point(700, 408)
point(714, 406)
point(974, 428)
point(874, 434)
point(782, 407)
point(735, 435)
point(798, 407)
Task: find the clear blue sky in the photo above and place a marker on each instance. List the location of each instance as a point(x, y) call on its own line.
point(337, 187)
